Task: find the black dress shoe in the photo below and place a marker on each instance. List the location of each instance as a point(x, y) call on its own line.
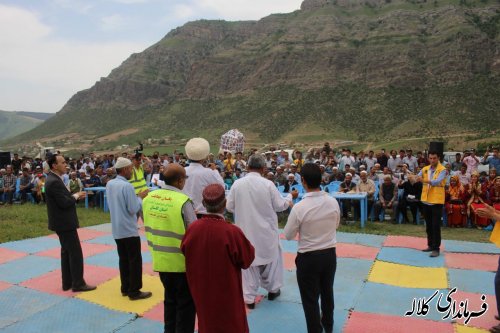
point(64, 288)
point(140, 295)
point(434, 254)
point(124, 294)
point(273, 296)
point(427, 250)
point(85, 287)
point(251, 306)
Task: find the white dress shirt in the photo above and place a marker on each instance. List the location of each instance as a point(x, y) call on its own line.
point(316, 219)
point(198, 178)
point(254, 200)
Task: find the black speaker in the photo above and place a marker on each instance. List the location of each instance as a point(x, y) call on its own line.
point(438, 147)
point(4, 159)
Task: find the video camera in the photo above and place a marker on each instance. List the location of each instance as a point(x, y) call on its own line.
point(138, 150)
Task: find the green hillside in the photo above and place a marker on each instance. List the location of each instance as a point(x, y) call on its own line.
point(371, 70)
point(17, 122)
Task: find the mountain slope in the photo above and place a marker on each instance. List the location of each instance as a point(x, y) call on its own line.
point(361, 69)
point(17, 122)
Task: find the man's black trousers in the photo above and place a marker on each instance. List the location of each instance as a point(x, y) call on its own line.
point(315, 275)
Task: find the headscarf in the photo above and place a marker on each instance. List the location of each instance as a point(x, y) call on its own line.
point(458, 189)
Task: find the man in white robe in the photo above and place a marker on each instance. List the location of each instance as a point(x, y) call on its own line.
point(197, 150)
point(254, 200)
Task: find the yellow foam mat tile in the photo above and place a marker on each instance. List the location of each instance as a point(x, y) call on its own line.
point(468, 329)
point(109, 295)
point(408, 276)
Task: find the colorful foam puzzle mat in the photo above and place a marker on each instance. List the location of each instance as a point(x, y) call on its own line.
point(378, 285)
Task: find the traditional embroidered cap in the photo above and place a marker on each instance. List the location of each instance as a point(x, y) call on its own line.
point(122, 162)
point(214, 194)
point(197, 149)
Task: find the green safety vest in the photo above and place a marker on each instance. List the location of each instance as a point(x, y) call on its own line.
point(165, 229)
point(138, 180)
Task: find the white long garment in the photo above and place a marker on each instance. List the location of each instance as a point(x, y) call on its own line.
point(198, 178)
point(254, 201)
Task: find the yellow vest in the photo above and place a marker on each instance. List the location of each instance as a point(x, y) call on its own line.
point(165, 229)
point(138, 180)
point(433, 194)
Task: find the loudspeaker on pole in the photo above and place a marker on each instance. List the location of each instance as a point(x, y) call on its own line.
point(436, 146)
point(4, 159)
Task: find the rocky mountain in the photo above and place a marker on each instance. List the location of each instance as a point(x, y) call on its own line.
point(361, 69)
point(16, 122)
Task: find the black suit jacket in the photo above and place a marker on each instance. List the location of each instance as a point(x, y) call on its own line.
point(61, 207)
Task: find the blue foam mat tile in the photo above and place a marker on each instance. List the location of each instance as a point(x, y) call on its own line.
point(290, 290)
point(412, 257)
point(26, 268)
point(106, 240)
point(106, 259)
point(273, 317)
point(340, 318)
point(349, 279)
point(146, 257)
point(470, 247)
point(289, 246)
point(106, 227)
point(17, 304)
point(32, 245)
point(396, 301)
point(472, 281)
point(73, 315)
point(285, 318)
point(361, 239)
point(142, 325)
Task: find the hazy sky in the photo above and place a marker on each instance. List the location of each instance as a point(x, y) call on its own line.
point(50, 49)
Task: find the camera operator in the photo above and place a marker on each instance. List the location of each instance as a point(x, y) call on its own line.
point(138, 179)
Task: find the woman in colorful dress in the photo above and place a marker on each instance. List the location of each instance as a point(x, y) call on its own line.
point(476, 193)
point(455, 203)
point(494, 194)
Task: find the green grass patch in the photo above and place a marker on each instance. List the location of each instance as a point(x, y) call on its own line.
point(28, 221)
point(387, 228)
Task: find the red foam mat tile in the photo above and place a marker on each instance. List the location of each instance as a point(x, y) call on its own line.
point(147, 268)
point(51, 282)
point(347, 250)
point(89, 249)
point(417, 243)
point(360, 322)
point(289, 260)
point(85, 234)
point(482, 262)
point(7, 255)
point(4, 285)
point(157, 314)
point(487, 320)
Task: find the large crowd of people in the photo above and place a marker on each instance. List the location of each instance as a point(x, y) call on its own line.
point(182, 200)
point(389, 178)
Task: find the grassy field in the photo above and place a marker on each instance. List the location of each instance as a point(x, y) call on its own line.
point(387, 228)
point(27, 221)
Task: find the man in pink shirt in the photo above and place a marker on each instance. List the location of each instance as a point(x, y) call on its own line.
point(471, 161)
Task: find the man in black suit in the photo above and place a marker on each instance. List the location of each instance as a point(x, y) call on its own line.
point(61, 210)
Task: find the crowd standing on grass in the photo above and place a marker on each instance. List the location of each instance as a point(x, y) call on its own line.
point(181, 200)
